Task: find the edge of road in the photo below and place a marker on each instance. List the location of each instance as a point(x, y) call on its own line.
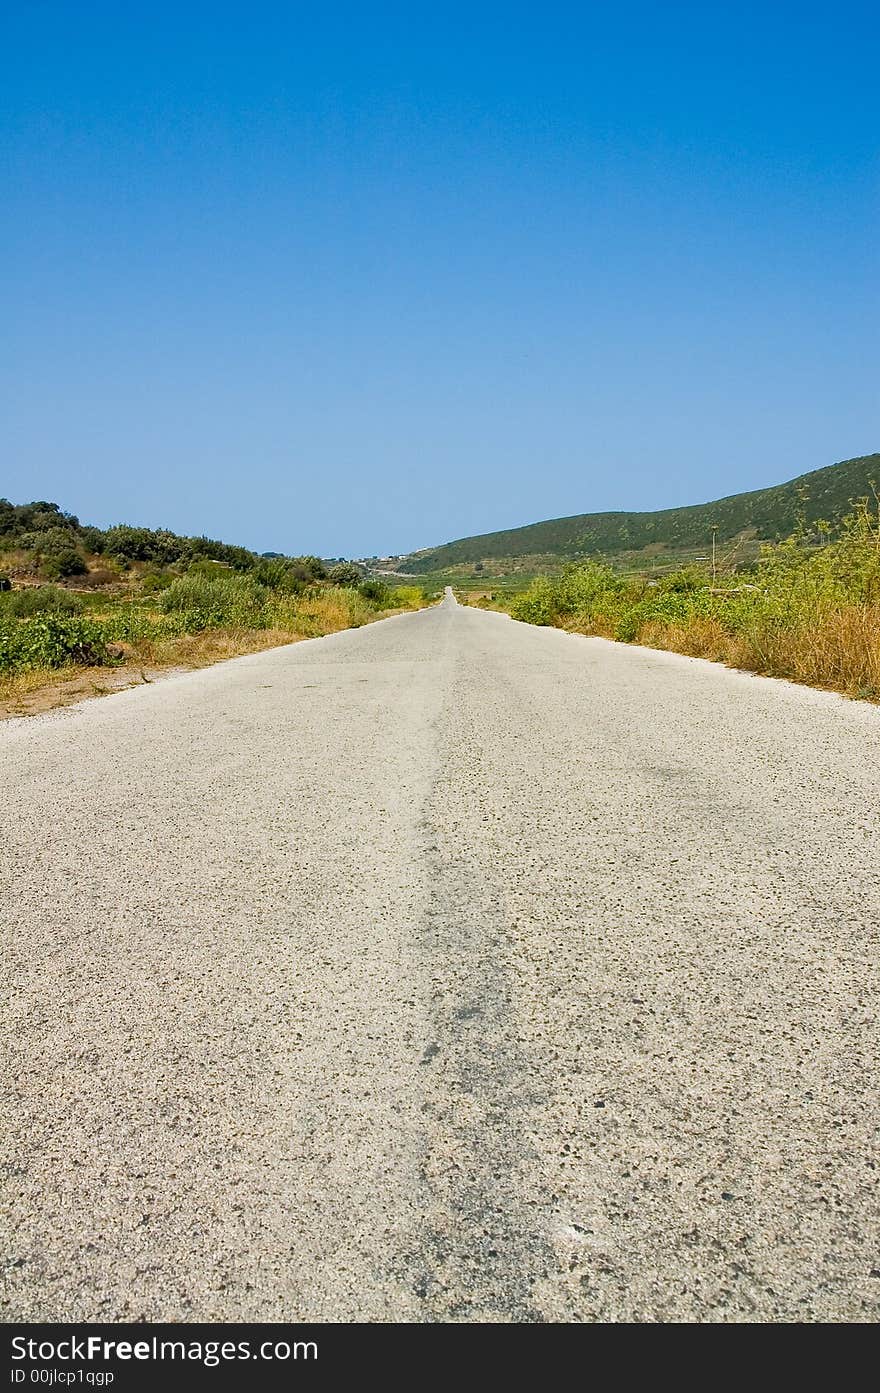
point(815, 696)
point(160, 677)
point(821, 695)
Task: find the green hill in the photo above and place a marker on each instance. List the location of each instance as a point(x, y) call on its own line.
point(764, 514)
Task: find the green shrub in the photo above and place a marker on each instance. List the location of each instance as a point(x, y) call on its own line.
point(50, 641)
point(154, 582)
point(538, 605)
point(64, 563)
point(580, 587)
point(50, 541)
point(43, 626)
point(345, 573)
point(279, 573)
point(686, 581)
point(207, 602)
point(376, 591)
point(407, 595)
point(312, 567)
point(39, 599)
point(214, 570)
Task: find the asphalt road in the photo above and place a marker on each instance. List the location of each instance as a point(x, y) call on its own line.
point(444, 969)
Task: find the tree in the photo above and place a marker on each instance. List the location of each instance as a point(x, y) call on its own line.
point(64, 563)
point(375, 590)
point(344, 573)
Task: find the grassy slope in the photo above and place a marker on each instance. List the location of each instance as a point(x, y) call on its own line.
point(770, 513)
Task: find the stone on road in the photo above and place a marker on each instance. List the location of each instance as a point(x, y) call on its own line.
point(446, 969)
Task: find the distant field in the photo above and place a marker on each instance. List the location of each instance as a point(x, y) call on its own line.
point(512, 574)
point(463, 578)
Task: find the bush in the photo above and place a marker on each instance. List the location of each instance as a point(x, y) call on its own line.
point(409, 596)
point(52, 539)
point(143, 544)
point(154, 582)
point(39, 599)
point(581, 588)
point(93, 538)
point(307, 568)
point(345, 573)
point(212, 601)
point(376, 591)
point(686, 581)
point(64, 563)
point(281, 574)
point(539, 604)
point(50, 641)
point(214, 570)
point(42, 627)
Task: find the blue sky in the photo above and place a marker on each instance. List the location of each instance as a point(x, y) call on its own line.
point(365, 280)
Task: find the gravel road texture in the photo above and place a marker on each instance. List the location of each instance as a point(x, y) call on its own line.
point(445, 969)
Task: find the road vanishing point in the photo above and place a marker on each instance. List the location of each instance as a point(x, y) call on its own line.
point(443, 969)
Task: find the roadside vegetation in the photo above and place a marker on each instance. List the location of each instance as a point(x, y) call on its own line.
point(74, 597)
point(808, 609)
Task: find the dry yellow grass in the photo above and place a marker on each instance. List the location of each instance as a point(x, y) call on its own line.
point(210, 646)
point(840, 651)
point(699, 638)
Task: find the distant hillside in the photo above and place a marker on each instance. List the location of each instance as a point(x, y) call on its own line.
point(767, 513)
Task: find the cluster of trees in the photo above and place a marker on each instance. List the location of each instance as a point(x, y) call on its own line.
point(59, 542)
point(55, 539)
point(58, 545)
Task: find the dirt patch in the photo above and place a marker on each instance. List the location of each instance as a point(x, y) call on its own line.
point(20, 698)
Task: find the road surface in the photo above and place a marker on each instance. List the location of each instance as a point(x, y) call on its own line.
point(446, 969)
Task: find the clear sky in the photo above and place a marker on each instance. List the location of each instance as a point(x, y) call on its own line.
point(363, 278)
